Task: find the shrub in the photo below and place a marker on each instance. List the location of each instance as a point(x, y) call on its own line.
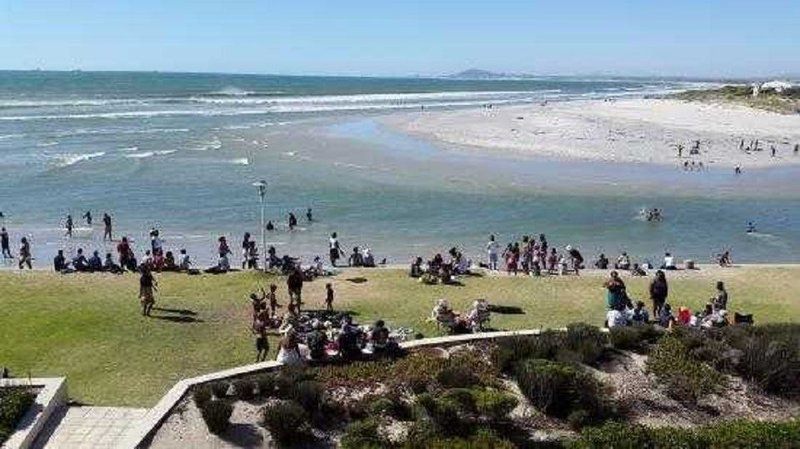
point(773, 364)
point(443, 412)
point(308, 394)
point(587, 342)
point(266, 384)
point(510, 351)
point(220, 389)
point(481, 439)
point(634, 338)
point(202, 395)
point(457, 376)
point(734, 434)
point(363, 435)
point(216, 414)
point(14, 403)
point(559, 389)
point(684, 378)
point(245, 389)
point(286, 421)
point(288, 378)
point(494, 404)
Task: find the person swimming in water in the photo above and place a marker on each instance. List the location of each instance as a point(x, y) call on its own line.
point(68, 225)
point(751, 227)
point(270, 226)
point(88, 217)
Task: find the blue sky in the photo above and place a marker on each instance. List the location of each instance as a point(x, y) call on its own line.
point(401, 37)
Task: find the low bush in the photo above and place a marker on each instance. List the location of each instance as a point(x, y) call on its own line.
point(288, 378)
point(772, 362)
point(634, 338)
point(561, 389)
point(202, 395)
point(481, 439)
point(220, 389)
point(266, 385)
point(245, 389)
point(308, 394)
point(363, 435)
point(457, 376)
point(510, 351)
point(392, 406)
point(734, 434)
point(216, 414)
point(14, 403)
point(444, 412)
point(586, 342)
point(685, 378)
point(494, 404)
point(286, 421)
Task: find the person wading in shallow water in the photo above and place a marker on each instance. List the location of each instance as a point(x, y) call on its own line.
point(107, 227)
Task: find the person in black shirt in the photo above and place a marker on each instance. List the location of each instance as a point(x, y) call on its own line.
point(60, 264)
point(147, 287)
point(5, 245)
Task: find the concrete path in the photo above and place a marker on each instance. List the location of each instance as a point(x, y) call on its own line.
point(87, 427)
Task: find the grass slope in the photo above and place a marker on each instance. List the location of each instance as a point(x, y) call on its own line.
point(88, 327)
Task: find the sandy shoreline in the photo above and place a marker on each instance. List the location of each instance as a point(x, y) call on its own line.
point(631, 131)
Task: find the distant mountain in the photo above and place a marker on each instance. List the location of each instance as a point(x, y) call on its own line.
point(479, 74)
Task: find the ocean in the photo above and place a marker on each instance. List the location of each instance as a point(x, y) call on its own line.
point(180, 152)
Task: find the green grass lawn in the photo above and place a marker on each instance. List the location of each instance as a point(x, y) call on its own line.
point(89, 328)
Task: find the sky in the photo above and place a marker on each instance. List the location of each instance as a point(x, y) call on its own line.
point(709, 38)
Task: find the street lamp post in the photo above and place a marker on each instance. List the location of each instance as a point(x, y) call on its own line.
point(262, 193)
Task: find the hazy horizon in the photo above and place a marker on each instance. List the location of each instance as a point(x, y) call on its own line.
point(733, 39)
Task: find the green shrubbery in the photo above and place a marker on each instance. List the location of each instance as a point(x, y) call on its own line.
point(564, 390)
point(216, 414)
point(481, 439)
point(580, 343)
point(14, 402)
point(245, 389)
point(634, 338)
point(735, 434)
point(494, 404)
point(684, 377)
point(287, 422)
point(363, 435)
point(220, 389)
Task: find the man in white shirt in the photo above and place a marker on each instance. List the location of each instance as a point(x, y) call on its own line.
point(185, 263)
point(669, 262)
point(492, 248)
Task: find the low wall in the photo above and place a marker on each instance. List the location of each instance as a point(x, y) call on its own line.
point(152, 421)
point(52, 395)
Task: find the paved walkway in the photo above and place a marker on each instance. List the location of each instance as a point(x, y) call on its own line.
point(87, 427)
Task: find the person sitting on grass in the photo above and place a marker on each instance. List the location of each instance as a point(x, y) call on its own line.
point(223, 265)
point(442, 313)
point(317, 341)
point(615, 318)
point(380, 341)
point(95, 262)
point(79, 262)
point(639, 315)
point(289, 349)
point(638, 270)
point(110, 266)
point(185, 263)
point(416, 268)
point(368, 260)
point(616, 295)
point(356, 259)
point(602, 262)
point(60, 264)
point(669, 262)
point(349, 340)
point(479, 315)
point(623, 262)
point(665, 317)
point(724, 259)
point(552, 261)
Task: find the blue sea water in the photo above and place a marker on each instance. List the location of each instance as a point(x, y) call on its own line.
point(180, 152)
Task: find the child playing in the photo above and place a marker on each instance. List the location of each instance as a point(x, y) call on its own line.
point(273, 300)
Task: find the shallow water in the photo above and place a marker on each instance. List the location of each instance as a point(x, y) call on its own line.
point(126, 151)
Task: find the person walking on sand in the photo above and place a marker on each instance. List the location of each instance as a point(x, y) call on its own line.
point(4, 243)
point(88, 217)
point(335, 251)
point(492, 247)
point(107, 227)
point(147, 288)
point(69, 225)
point(25, 254)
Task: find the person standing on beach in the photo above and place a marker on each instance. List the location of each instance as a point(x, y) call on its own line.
point(659, 290)
point(292, 221)
point(491, 249)
point(796, 148)
point(69, 225)
point(309, 216)
point(329, 297)
point(88, 217)
point(107, 227)
point(25, 254)
point(334, 249)
point(147, 287)
point(245, 249)
point(4, 243)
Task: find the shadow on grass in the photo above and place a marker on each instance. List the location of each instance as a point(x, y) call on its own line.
point(506, 310)
point(178, 311)
point(177, 319)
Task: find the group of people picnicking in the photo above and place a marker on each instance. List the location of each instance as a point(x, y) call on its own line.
point(622, 310)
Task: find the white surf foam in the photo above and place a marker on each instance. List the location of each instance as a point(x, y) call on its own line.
point(66, 160)
point(147, 154)
point(240, 161)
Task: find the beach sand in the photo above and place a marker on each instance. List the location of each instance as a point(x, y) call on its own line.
point(631, 131)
